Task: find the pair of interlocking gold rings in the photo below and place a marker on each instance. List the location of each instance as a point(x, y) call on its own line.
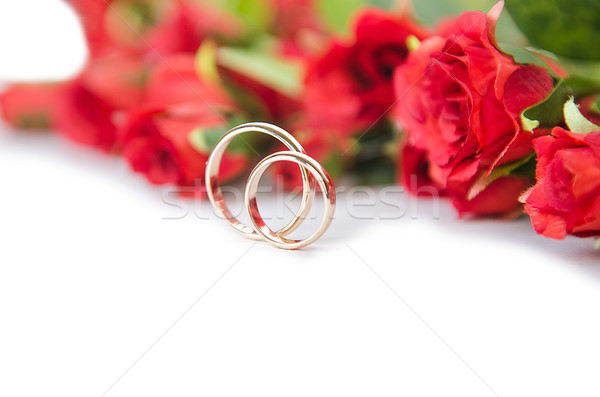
point(310, 169)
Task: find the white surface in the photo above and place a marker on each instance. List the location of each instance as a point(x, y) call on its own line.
point(100, 295)
point(40, 40)
point(91, 276)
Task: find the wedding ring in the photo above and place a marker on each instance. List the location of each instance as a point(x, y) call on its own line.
point(322, 178)
point(213, 187)
point(311, 171)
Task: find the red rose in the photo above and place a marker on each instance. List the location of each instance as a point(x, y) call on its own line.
point(89, 107)
point(293, 16)
point(566, 198)
point(151, 153)
point(119, 79)
point(176, 80)
point(186, 24)
point(84, 109)
point(84, 117)
point(92, 15)
point(156, 137)
point(302, 36)
point(460, 101)
point(414, 173)
point(151, 26)
point(298, 26)
point(351, 87)
point(157, 143)
point(30, 106)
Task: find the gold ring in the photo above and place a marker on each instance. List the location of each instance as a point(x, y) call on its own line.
point(213, 187)
point(322, 178)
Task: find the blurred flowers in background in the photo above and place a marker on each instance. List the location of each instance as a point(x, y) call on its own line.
point(469, 105)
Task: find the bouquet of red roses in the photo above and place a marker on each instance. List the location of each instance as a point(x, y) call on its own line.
point(495, 128)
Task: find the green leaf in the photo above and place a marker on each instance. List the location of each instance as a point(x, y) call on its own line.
point(527, 124)
point(570, 28)
point(256, 14)
point(549, 112)
point(597, 245)
point(431, 11)
point(376, 172)
point(337, 13)
point(203, 140)
point(387, 4)
point(284, 76)
point(577, 121)
point(596, 106)
point(412, 43)
point(584, 76)
point(206, 62)
point(485, 180)
point(583, 86)
point(527, 56)
point(36, 120)
point(334, 165)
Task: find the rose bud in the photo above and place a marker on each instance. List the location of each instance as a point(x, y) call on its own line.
point(85, 118)
point(157, 143)
point(170, 138)
point(30, 106)
point(90, 106)
point(92, 14)
point(350, 86)
point(566, 197)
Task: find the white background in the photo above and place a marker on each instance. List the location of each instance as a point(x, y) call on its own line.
point(100, 295)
